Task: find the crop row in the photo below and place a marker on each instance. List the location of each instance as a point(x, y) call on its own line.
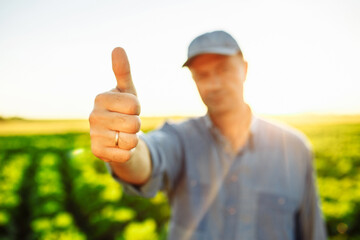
point(49, 216)
point(12, 172)
point(62, 193)
point(110, 213)
point(52, 187)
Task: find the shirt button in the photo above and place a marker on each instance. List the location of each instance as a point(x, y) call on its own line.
point(281, 201)
point(231, 210)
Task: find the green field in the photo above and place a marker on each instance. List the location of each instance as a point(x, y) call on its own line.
point(52, 187)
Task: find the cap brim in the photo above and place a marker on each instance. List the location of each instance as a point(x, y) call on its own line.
point(223, 51)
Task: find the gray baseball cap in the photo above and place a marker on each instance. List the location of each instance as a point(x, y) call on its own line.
point(217, 42)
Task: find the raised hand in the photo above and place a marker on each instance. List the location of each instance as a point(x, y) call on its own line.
point(115, 120)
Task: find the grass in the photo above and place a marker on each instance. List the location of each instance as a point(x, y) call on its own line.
point(335, 140)
point(31, 127)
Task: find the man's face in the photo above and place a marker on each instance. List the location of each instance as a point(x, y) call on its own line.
point(219, 80)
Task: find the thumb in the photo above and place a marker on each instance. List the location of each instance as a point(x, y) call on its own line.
point(121, 68)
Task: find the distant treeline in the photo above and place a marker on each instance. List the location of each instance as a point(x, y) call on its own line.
point(11, 118)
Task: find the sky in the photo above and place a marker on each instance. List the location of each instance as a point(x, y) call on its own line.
point(55, 56)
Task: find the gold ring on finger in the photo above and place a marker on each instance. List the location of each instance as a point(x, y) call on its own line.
point(117, 139)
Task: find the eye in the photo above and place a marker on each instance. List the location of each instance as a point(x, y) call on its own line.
point(200, 76)
point(224, 69)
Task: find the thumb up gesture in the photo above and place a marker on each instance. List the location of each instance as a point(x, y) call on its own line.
point(115, 120)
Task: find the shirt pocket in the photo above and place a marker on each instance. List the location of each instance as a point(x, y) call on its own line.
point(275, 217)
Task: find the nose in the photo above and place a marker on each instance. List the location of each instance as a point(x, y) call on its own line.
point(215, 82)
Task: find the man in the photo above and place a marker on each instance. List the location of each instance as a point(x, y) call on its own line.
point(229, 174)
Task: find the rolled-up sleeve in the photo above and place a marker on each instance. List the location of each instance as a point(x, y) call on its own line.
point(166, 158)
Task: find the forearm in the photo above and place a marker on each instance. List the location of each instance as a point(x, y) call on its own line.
point(137, 170)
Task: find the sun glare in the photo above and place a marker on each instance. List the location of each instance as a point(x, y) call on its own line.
point(58, 59)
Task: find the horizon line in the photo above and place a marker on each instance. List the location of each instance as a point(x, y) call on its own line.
point(19, 118)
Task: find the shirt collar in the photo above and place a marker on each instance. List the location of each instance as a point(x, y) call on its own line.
point(216, 132)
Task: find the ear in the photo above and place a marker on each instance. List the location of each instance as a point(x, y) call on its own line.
point(244, 68)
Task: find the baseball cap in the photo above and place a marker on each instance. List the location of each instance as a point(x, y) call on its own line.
point(217, 42)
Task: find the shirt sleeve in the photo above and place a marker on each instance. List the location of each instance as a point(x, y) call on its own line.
point(166, 159)
point(310, 223)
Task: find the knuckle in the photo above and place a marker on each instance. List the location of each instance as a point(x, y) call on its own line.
point(92, 118)
point(126, 156)
point(129, 142)
point(125, 103)
point(135, 124)
point(99, 98)
point(95, 134)
point(96, 117)
point(92, 134)
point(128, 123)
point(135, 107)
point(133, 104)
point(135, 141)
point(96, 151)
